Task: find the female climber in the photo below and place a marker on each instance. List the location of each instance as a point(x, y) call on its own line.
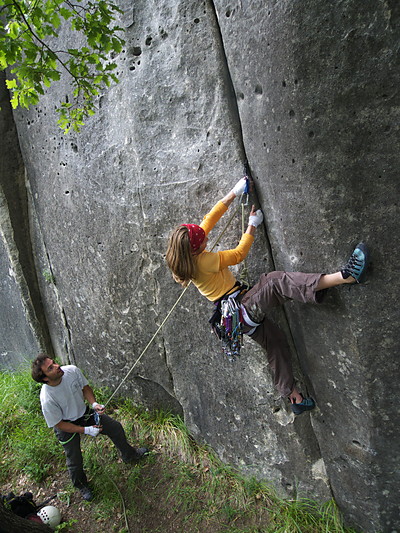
point(189, 260)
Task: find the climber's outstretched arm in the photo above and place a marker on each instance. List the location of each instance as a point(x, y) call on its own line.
point(238, 254)
point(211, 218)
point(237, 190)
point(228, 199)
point(255, 219)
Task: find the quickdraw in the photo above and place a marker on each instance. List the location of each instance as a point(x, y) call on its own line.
point(231, 328)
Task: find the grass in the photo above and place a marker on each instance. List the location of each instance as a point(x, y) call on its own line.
point(26, 443)
point(181, 487)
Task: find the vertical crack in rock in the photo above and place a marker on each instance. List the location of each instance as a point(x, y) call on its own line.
point(62, 316)
point(8, 237)
point(170, 374)
point(233, 107)
point(15, 222)
point(46, 263)
point(68, 345)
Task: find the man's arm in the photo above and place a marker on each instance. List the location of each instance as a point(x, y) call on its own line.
point(69, 427)
point(88, 394)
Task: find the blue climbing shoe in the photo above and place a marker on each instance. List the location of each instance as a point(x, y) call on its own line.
point(356, 266)
point(306, 405)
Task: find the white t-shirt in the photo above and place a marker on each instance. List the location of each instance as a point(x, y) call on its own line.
point(64, 401)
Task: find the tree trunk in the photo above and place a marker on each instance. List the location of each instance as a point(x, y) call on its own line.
point(12, 523)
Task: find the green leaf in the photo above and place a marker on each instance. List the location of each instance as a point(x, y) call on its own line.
point(11, 84)
point(13, 29)
point(3, 61)
point(93, 59)
point(22, 100)
point(66, 13)
point(117, 45)
point(55, 19)
point(14, 101)
point(54, 75)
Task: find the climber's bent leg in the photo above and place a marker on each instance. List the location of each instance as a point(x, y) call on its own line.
point(275, 288)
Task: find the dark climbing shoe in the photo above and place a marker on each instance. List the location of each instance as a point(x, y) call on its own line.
point(86, 493)
point(136, 456)
point(357, 264)
point(306, 405)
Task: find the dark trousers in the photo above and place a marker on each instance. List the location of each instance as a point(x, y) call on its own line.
point(272, 290)
point(71, 443)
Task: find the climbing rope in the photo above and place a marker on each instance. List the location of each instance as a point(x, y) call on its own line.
point(244, 201)
point(240, 205)
point(113, 482)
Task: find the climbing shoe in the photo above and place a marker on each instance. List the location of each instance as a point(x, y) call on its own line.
point(356, 266)
point(306, 405)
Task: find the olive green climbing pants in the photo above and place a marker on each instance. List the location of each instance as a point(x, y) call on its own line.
point(272, 290)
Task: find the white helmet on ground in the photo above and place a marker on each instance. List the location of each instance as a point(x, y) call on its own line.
point(50, 515)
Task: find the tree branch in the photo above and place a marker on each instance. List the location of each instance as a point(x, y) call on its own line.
point(44, 45)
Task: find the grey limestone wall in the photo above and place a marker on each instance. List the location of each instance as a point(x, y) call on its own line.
point(308, 93)
point(319, 106)
point(23, 329)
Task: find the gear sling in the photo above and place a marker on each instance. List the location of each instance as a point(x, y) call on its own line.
point(229, 320)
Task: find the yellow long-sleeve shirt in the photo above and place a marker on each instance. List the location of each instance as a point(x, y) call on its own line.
point(213, 277)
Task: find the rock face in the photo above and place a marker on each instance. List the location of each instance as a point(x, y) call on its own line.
point(23, 329)
point(308, 92)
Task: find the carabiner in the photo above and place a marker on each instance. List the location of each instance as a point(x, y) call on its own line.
point(245, 196)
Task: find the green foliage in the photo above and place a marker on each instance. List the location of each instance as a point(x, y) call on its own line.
point(66, 525)
point(29, 45)
point(49, 277)
point(160, 426)
point(179, 481)
point(27, 444)
point(305, 515)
